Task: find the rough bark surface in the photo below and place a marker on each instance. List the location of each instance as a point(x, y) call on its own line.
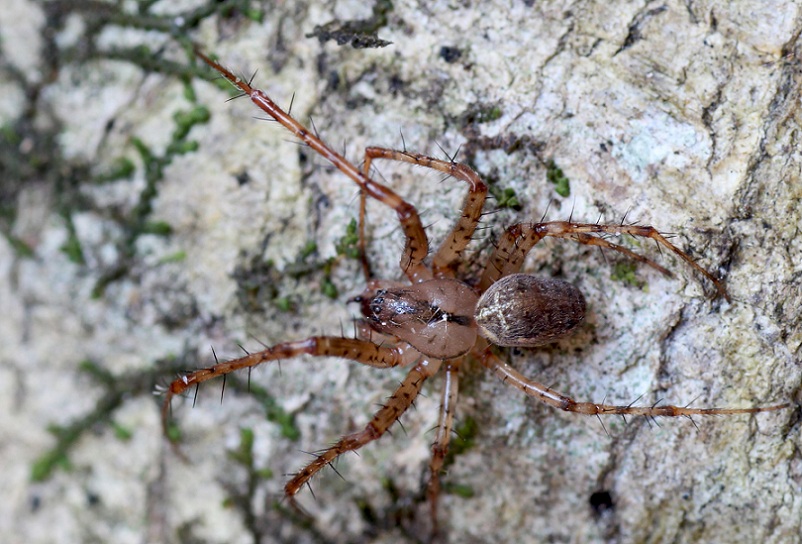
point(681, 115)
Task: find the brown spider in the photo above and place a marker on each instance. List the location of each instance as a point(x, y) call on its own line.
point(440, 321)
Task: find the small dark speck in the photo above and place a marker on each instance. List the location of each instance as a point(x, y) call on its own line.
point(395, 85)
point(601, 502)
point(36, 503)
point(92, 499)
point(450, 54)
point(333, 81)
point(243, 178)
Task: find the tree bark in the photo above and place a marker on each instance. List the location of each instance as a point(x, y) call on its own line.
point(679, 115)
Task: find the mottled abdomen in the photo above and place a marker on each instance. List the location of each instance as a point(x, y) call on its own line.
point(522, 310)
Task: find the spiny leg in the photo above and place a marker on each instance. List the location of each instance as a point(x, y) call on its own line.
point(396, 405)
point(447, 255)
point(417, 246)
point(361, 351)
point(539, 391)
point(445, 423)
point(517, 240)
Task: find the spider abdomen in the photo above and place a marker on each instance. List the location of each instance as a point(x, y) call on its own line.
point(522, 310)
point(434, 316)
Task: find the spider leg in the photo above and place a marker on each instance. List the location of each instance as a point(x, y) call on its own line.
point(362, 245)
point(545, 394)
point(447, 255)
point(396, 405)
point(517, 240)
point(445, 423)
point(361, 351)
point(417, 245)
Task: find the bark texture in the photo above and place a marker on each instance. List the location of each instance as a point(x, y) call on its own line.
point(680, 115)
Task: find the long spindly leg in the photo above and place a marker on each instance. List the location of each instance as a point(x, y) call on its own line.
point(539, 391)
point(447, 255)
point(361, 351)
point(363, 243)
point(417, 246)
point(517, 240)
point(396, 405)
point(448, 404)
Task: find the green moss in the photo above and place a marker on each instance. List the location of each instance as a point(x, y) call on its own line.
point(244, 452)
point(243, 455)
point(491, 113)
point(505, 198)
point(19, 246)
point(44, 466)
point(67, 179)
point(264, 473)
point(478, 113)
point(114, 391)
point(72, 246)
point(555, 175)
point(189, 92)
point(307, 250)
point(460, 490)
point(465, 436)
point(182, 147)
point(185, 120)
point(273, 410)
point(348, 245)
point(10, 135)
point(121, 168)
point(328, 288)
point(122, 433)
point(72, 249)
point(624, 271)
point(138, 222)
point(254, 14)
point(283, 303)
point(159, 228)
point(176, 257)
point(173, 433)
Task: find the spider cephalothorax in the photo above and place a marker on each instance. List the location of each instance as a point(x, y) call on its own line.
point(437, 320)
point(436, 317)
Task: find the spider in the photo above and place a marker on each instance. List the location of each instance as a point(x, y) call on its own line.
point(438, 321)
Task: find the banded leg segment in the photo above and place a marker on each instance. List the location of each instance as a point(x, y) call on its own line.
point(396, 405)
point(445, 424)
point(447, 255)
point(417, 246)
point(519, 239)
point(361, 351)
point(539, 391)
